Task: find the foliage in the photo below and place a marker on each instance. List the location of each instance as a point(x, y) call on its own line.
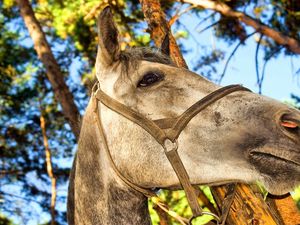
point(70, 27)
point(296, 196)
point(5, 221)
point(296, 100)
point(24, 93)
point(178, 202)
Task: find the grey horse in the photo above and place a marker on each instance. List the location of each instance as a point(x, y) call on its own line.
point(243, 137)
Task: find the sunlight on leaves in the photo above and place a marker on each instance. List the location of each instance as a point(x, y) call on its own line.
point(296, 196)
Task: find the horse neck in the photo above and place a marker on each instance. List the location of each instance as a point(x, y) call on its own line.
point(96, 194)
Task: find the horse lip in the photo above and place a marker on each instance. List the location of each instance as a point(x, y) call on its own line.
point(276, 157)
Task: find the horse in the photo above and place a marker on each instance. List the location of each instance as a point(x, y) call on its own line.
point(151, 125)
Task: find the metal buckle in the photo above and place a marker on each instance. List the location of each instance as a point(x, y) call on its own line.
point(170, 145)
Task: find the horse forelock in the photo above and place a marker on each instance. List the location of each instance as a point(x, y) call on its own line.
point(131, 57)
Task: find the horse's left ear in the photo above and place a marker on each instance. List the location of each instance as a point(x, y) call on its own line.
point(109, 47)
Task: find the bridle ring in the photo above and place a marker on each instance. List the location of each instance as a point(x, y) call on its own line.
point(170, 145)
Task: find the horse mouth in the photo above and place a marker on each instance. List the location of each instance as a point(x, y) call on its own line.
point(265, 156)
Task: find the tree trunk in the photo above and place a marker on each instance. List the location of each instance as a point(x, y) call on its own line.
point(159, 29)
point(54, 74)
point(218, 6)
point(248, 206)
point(286, 208)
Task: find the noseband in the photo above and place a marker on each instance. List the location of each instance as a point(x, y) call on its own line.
point(166, 132)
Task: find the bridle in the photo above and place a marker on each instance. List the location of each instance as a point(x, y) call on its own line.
point(166, 132)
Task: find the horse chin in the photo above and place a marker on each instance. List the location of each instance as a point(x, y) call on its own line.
point(275, 188)
point(281, 180)
point(280, 174)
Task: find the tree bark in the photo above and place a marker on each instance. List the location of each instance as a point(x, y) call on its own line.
point(248, 206)
point(163, 216)
point(291, 43)
point(54, 74)
point(286, 208)
point(159, 29)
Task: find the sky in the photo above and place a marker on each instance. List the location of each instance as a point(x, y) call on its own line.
point(280, 78)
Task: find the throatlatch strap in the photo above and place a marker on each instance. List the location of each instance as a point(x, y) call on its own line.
point(144, 191)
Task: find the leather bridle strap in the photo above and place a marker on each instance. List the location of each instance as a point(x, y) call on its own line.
point(166, 131)
point(135, 117)
point(181, 122)
point(97, 111)
point(178, 124)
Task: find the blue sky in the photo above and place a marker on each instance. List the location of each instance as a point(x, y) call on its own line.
point(280, 77)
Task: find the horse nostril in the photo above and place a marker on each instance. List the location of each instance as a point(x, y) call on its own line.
point(290, 123)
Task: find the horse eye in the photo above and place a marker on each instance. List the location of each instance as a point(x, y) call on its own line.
point(150, 78)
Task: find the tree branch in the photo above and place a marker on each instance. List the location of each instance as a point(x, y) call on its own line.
point(291, 43)
point(159, 29)
point(8, 172)
point(20, 197)
point(204, 199)
point(179, 14)
point(231, 55)
point(258, 78)
point(93, 12)
point(191, 35)
point(205, 19)
point(163, 212)
point(266, 61)
point(163, 216)
point(285, 207)
point(54, 74)
point(247, 208)
point(49, 166)
point(208, 27)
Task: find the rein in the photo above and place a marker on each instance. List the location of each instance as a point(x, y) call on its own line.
point(166, 132)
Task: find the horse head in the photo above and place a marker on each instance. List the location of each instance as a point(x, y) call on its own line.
point(243, 137)
point(140, 103)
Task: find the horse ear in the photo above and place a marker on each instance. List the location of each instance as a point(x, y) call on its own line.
point(109, 47)
point(165, 45)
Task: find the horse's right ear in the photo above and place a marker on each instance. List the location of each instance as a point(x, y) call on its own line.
point(109, 47)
